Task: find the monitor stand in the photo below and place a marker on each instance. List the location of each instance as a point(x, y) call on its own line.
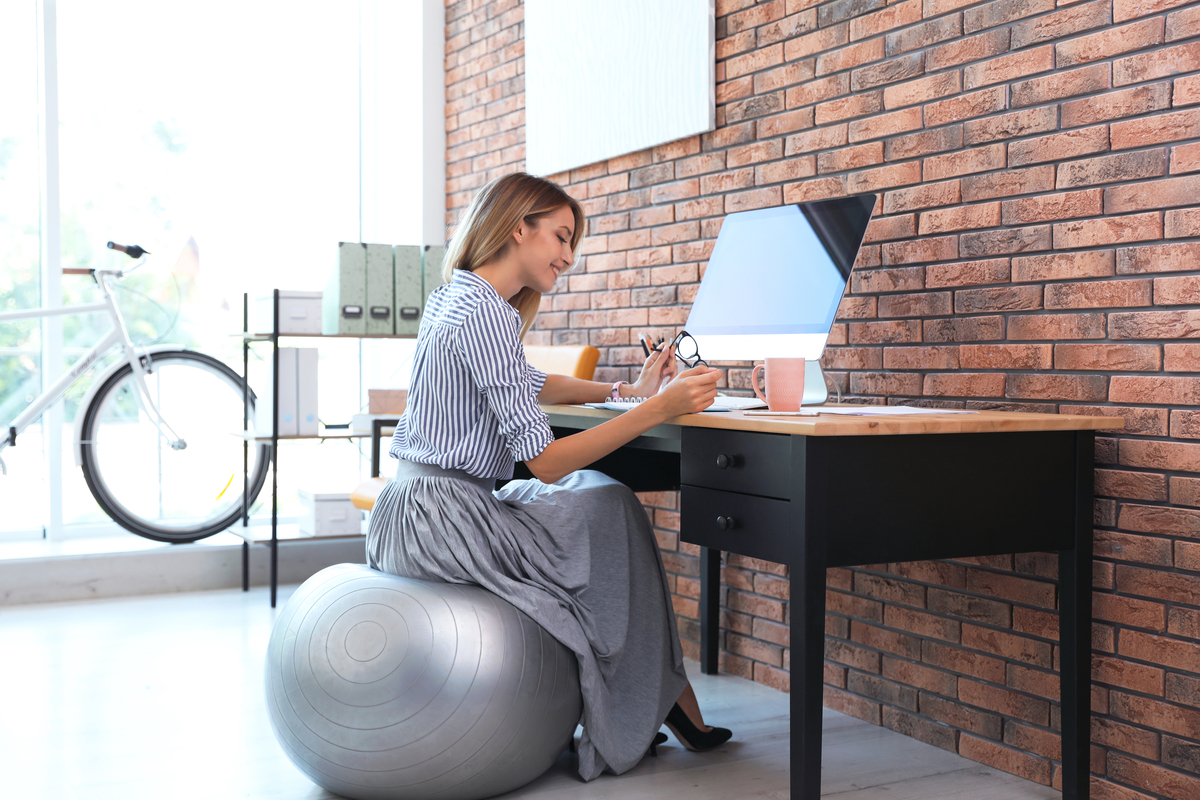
point(816, 390)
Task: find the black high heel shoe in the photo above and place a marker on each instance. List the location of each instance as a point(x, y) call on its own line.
point(692, 737)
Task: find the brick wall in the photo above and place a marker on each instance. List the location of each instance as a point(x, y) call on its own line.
point(1035, 249)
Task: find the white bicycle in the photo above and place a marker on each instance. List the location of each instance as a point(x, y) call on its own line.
point(158, 435)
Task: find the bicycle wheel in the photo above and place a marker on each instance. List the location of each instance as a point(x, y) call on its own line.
point(140, 481)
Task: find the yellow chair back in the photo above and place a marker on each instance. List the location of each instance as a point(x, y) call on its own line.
point(577, 361)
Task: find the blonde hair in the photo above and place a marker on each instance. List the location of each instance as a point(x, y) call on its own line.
point(486, 226)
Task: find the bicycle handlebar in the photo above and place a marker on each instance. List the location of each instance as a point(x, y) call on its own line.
point(132, 250)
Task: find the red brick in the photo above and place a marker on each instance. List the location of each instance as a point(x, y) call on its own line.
point(909, 358)
point(963, 384)
point(943, 248)
point(1003, 298)
point(1055, 207)
point(1144, 421)
point(882, 229)
point(925, 196)
point(1061, 24)
point(1152, 194)
point(967, 273)
point(1183, 24)
point(887, 72)
point(787, 170)
point(1176, 291)
point(1155, 325)
point(1132, 357)
point(1185, 158)
point(1132, 9)
point(818, 91)
point(787, 28)
point(1110, 230)
point(1080, 388)
point(1110, 42)
point(852, 358)
point(849, 56)
point(967, 106)
point(855, 157)
point(855, 106)
point(1174, 456)
point(1099, 294)
point(1186, 91)
point(1005, 356)
point(894, 16)
point(816, 42)
point(924, 143)
point(884, 383)
point(885, 332)
point(1185, 222)
point(887, 280)
point(1156, 64)
point(1180, 391)
point(1005, 184)
point(1182, 655)
point(1181, 357)
point(1059, 146)
point(871, 180)
point(881, 125)
point(857, 308)
point(1009, 67)
point(818, 189)
point(922, 90)
point(1140, 773)
point(1005, 240)
point(1010, 126)
point(1126, 738)
point(1115, 105)
point(921, 36)
point(1185, 424)
point(785, 123)
point(818, 139)
point(1156, 129)
point(1129, 547)
point(925, 304)
point(964, 50)
point(980, 215)
point(979, 159)
point(1114, 168)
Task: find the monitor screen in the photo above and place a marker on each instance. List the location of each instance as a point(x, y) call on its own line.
point(775, 279)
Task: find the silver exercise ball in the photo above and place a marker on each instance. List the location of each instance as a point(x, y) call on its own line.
point(381, 688)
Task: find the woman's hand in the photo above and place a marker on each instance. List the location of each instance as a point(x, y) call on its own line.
point(690, 392)
point(660, 368)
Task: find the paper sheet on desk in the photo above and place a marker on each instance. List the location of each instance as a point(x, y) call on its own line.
point(881, 411)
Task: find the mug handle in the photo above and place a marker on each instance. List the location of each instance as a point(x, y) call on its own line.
point(754, 381)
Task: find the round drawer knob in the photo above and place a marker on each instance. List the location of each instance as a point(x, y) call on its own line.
point(725, 523)
point(724, 461)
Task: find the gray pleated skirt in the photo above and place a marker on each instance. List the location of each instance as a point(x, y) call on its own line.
point(577, 556)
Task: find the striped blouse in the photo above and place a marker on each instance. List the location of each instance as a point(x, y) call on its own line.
point(472, 401)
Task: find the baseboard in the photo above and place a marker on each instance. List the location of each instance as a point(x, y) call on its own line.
point(181, 568)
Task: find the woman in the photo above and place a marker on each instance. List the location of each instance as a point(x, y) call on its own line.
point(573, 549)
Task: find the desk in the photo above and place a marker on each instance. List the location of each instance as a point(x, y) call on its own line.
point(820, 492)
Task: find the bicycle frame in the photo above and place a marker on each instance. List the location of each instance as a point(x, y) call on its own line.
point(139, 362)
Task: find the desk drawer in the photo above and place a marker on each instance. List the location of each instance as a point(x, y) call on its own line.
point(737, 461)
point(758, 527)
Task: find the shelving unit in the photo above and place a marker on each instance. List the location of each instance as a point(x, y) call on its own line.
point(274, 438)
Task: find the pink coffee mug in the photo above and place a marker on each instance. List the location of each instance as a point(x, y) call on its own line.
point(784, 383)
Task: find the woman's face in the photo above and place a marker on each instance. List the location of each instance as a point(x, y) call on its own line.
point(544, 249)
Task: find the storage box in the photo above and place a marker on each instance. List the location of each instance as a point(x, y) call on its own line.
point(307, 423)
point(329, 514)
point(410, 296)
point(386, 401)
point(432, 269)
point(263, 408)
point(381, 290)
point(343, 308)
point(299, 312)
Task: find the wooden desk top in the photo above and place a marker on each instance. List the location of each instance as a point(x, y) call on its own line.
point(841, 425)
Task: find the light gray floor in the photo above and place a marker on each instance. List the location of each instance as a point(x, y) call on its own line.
point(161, 696)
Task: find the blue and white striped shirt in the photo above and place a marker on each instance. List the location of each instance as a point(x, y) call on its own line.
point(472, 402)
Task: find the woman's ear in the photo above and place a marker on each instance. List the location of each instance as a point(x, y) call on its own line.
point(519, 233)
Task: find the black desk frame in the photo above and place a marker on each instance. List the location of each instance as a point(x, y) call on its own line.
point(874, 499)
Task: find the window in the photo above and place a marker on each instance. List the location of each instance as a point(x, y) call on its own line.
point(227, 139)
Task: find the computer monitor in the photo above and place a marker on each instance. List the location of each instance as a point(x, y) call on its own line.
point(775, 279)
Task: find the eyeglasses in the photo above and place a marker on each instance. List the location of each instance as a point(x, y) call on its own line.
point(687, 351)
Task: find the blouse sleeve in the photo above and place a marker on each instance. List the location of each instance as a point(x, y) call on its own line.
point(495, 359)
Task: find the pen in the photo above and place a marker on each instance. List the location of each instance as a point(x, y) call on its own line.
point(645, 348)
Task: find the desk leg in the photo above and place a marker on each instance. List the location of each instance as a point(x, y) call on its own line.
point(1075, 631)
point(807, 608)
point(710, 609)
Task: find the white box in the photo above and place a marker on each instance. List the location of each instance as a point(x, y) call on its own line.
point(299, 312)
point(306, 392)
point(287, 398)
point(329, 515)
